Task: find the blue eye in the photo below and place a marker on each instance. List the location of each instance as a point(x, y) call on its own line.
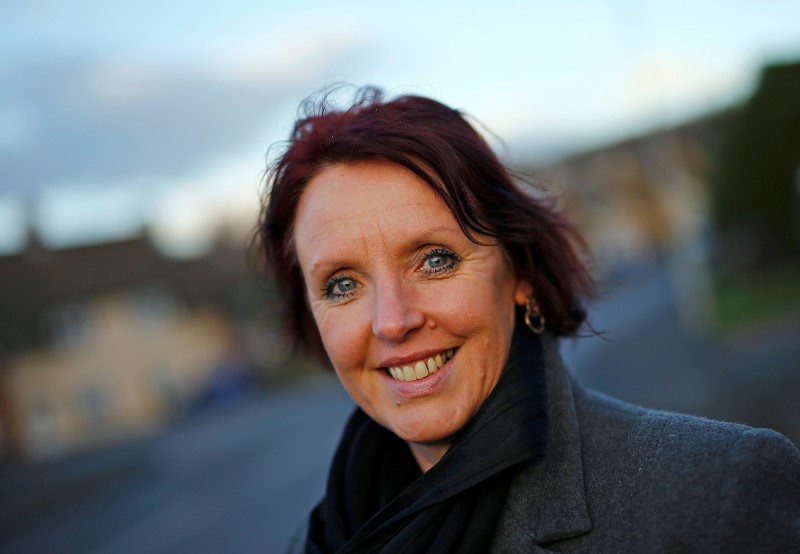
point(439, 260)
point(339, 287)
point(345, 285)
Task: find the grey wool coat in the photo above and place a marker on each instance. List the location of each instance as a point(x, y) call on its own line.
point(618, 478)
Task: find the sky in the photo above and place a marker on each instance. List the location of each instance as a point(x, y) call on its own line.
point(119, 114)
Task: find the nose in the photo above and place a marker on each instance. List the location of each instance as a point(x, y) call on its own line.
point(396, 313)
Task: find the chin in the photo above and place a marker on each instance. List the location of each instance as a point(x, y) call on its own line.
point(427, 430)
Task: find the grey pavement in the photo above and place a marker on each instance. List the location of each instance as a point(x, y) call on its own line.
point(236, 478)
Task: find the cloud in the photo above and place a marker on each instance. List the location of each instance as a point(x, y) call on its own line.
point(665, 87)
point(298, 53)
point(101, 121)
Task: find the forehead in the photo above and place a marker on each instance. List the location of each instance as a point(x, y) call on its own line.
point(360, 200)
point(349, 186)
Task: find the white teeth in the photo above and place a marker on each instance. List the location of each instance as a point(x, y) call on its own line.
point(422, 368)
point(431, 363)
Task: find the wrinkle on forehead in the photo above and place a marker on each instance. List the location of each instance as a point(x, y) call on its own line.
point(346, 248)
point(376, 218)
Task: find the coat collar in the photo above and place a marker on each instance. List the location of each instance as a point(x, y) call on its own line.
point(547, 500)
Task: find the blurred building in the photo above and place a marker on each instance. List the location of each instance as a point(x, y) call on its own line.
point(641, 197)
point(645, 200)
point(106, 341)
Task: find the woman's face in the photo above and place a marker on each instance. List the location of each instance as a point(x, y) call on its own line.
point(396, 289)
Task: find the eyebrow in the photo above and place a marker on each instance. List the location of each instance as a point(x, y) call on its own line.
point(428, 236)
point(327, 266)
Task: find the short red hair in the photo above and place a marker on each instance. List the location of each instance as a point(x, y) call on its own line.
point(438, 145)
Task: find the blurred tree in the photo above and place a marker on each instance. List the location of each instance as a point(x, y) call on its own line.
point(755, 196)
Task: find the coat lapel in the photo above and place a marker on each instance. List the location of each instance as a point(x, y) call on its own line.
point(547, 500)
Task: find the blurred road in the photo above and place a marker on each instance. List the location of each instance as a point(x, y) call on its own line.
point(238, 478)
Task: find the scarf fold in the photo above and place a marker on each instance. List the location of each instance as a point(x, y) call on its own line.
point(377, 499)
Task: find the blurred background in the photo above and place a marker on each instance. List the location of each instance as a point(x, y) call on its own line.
point(149, 399)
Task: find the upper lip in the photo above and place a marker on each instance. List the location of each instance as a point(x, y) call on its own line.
point(396, 361)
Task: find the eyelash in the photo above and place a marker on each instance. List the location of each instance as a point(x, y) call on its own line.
point(328, 289)
point(440, 253)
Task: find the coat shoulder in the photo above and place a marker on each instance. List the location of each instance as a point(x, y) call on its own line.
point(652, 434)
point(623, 478)
point(685, 478)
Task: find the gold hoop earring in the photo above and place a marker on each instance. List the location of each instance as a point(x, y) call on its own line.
point(533, 317)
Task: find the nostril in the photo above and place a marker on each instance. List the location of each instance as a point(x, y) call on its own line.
point(396, 316)
point(397, 329)
point(393, 330)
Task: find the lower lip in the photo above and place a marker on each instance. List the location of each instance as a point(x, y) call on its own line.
point(420, 387)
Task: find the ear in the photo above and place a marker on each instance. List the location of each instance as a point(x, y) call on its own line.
point(522, 292)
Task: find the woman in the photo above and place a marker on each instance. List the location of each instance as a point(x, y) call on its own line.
point(436, 288)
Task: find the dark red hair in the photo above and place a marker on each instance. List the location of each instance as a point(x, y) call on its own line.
point(438, 145)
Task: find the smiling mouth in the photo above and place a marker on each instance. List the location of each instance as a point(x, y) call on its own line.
point(421, 368)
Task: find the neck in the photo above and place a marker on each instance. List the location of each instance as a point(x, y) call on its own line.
point(426, 455)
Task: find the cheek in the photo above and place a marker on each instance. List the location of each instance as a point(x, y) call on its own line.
point(471, 304)
point(341, 332)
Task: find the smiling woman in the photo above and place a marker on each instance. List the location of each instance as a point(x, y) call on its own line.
point(382, 285)
point(435, 287)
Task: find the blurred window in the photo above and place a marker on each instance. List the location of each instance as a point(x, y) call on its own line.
point(152, 307)
point(69, 326)
point(94, 404)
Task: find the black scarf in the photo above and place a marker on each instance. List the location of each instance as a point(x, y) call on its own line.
point(377, 499)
